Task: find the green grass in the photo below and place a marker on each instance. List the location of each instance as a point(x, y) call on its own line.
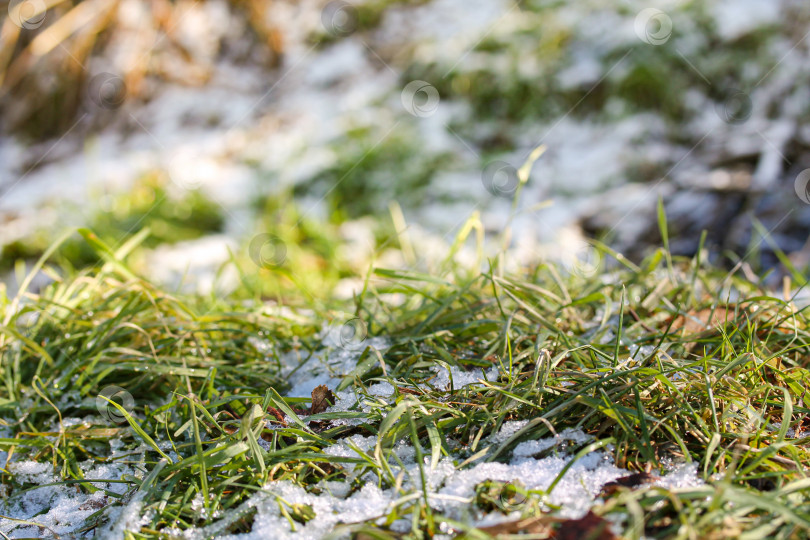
point(205, 374)
point(667, 361)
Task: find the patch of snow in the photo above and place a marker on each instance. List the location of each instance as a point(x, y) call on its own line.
point(331, 364)
point(532, 448)
point(381, 389)
point(60, 508)
point(735, 18)
point(447, 27)
point(195, 264)
point(585, 70)
point(368, 503)
point(451, 490)
point(508, 429)
point(304, 388)
point(460, 378)
point(344, 447)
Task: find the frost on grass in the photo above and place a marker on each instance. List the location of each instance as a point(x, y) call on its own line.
point(287, 511)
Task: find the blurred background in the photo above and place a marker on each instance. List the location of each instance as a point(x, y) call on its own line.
point(312, 138)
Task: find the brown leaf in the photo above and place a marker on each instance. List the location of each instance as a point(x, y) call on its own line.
point(277, 414)
point(322, 399)
point(589, 527)
point(630, 481)
point(535, 525)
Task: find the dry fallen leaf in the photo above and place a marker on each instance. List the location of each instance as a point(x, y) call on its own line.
point(322, 399)
point(588, 527)
point(277, 414)
point(535, 525)
point(630, 481)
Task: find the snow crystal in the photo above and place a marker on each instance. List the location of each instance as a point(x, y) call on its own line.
point(461, 378)
point(59, 509)
point(330, 365)
point(508, 429)
point(532, 448)
point(32, 472)
point(367, 503)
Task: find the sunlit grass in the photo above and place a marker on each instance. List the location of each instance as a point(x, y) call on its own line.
point(665, 362)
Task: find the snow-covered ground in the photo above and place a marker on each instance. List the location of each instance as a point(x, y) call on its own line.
point(451, 490)
point(62, 510)
point(51, 507)
point(532, 463)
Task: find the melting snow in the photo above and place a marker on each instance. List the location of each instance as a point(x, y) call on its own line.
point(330, 365)
point(451, 490)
